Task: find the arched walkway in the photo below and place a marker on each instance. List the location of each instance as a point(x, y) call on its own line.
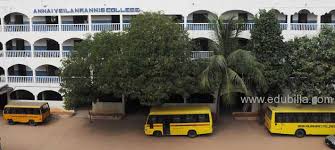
point(304, 20)
point(69, 44)
point(16, 22)
point(20, 70)
point(47, 70)
point(202, 44)
point(49, 96)
point(18, 44)
point(46, 44)
point(21, 95)
point(243, 16)
point(16, 18)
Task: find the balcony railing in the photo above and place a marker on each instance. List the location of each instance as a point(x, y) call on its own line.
point(20, 79)
point(1, 53)
point(245, 26)
point(106, 27)
point(18, 53)
point(283, 26)
point(201, 54)
point(2, 79)
point(117, 27)
point(75, 27)
point(17, 28)
point(48, 79)
point(66, 53)
point(47, 53)
point(45, 27)
point(126, 25)
point(303, 26)
point(200, 26)
point(330, 25)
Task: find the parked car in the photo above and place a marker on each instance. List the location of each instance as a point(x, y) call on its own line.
point(330, 141)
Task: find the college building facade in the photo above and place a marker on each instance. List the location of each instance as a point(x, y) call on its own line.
point(37, 34)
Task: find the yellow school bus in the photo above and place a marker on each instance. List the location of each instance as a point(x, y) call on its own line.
point(301, 120)
point(26, 112)
point(187, 120)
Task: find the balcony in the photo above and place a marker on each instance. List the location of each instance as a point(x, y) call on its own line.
point(45, 27)
point(106, 27)
point(66, 53)
point(17, 28)
point(201, 54)
point(75, 27)
point(48, 79)
point(96, 27)
point(20, 79)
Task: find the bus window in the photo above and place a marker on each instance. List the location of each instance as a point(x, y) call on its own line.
point(6, 110)
point(203, 118)
point(190, 118)
point(176, 119)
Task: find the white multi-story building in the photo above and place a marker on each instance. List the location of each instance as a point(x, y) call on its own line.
point(36, 34)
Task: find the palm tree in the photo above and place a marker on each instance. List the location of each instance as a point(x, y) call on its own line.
point(231, 70)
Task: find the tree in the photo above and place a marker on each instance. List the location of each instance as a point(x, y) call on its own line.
point(94, 69)
point(313, 66)
point(159, 57)
point(269, 48)
point(230, 70)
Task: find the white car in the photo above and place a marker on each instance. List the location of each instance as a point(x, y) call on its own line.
point(330, 141)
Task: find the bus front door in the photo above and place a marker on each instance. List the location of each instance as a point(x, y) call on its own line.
point(166, 127)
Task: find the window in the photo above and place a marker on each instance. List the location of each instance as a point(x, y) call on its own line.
point(179, 118)
point(305, 118)
point(203, 118)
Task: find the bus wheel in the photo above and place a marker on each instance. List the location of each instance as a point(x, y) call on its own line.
point(192, 134)
point(11, 122)
point(300, 133)
point(32, 123)
point(157, 133)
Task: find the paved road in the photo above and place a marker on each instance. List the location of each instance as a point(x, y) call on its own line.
point(77, 133)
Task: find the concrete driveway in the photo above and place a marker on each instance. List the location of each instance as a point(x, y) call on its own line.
point(77, 133)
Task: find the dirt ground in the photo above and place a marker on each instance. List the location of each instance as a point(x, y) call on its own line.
point(77, 133)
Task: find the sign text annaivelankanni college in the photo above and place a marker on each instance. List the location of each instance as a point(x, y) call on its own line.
point(84, 10)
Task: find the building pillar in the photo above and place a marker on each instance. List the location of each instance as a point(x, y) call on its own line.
point(34, 75)
point(35, 97)
point(121, 22)
point(318, 21)
point(89, 22)
point(289, 22)
point(31, 24)
point(6, 74)
point(32, 48)
point(185, 21)
point(60, 50)
point(3, 24)
point(4, 49)
point(59, 23)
